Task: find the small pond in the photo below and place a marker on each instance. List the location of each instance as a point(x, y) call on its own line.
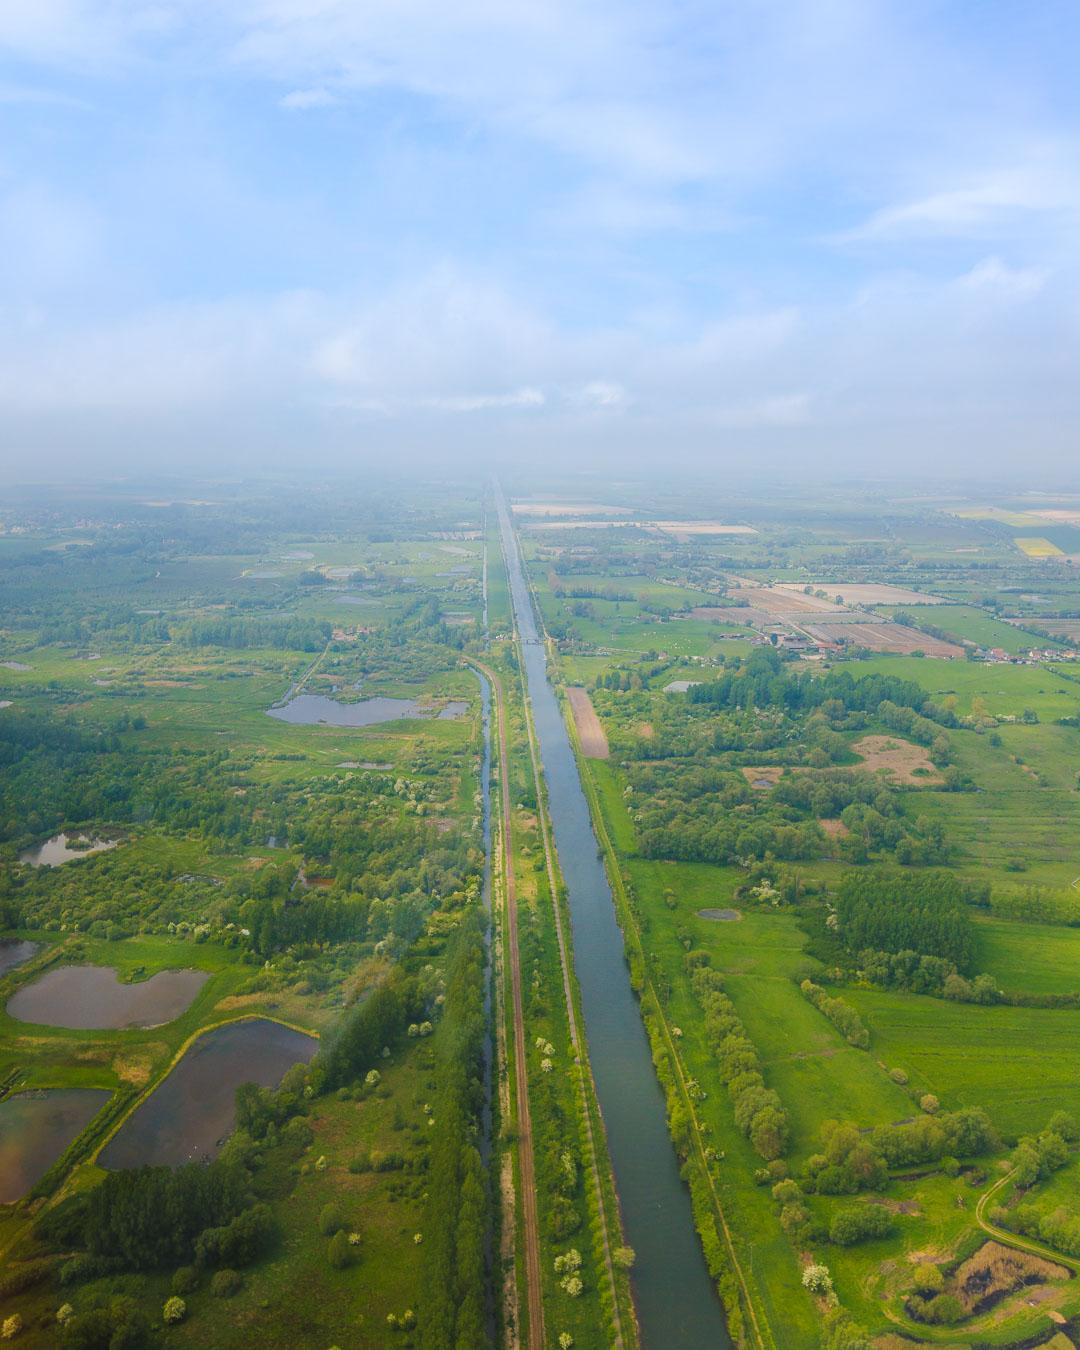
point(35, 1128)
point(193, 1112)
point(15, 665)
point(455, 708)
point(92, 998)
point(62, 848)
point(15, 952)
point(720, 915)
point(308, 710)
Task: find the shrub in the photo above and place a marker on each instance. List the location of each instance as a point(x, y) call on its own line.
point(330, 1220)
point(928, 1280)
point(175, 1310)
point(929, 1103)
point(12, 1326)
point(185, 1280)
point(624, 1257)
point(226, 1283)
point(338, 1251)
point(859, 1223)
point(817, 1279)
point(898, 1076)
point(940, 1310)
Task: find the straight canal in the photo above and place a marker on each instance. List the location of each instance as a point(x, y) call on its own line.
point(678, 1308)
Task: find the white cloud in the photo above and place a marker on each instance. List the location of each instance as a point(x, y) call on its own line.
point(465, 403)
point(986, 202)
point(991, 275)
point(300, 100)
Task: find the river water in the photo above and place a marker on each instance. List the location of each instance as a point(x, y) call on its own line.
point(678, 1308)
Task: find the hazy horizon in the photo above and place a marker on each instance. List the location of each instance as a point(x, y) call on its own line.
point(787, 238)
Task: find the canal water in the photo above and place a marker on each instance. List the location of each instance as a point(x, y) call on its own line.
point(678, 1308)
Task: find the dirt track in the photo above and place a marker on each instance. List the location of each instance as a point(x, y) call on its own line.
point(530, 1220)
point(590, 732)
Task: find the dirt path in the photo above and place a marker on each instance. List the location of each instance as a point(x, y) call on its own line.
point(591, 733)
point(1008, 1239)
point(530, 1226)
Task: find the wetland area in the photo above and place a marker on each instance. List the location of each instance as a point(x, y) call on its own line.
point(92, 998)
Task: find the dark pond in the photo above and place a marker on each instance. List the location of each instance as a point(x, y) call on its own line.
point(193, 1112)
point(308, 710)
point(91, 997)
point(62, 848)
point(35, 1128)
point(14, 952)
point(676, 1300)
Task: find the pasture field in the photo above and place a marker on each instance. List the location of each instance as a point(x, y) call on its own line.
point(1018, 1063)
point(1030, 958)
point(965, 621)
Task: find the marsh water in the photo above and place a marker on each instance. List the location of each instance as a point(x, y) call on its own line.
point(92, 998)
point(193, 1112)
point(677, 1303)
point(309, 710)
point(35, 1128)
point(15, 952)
point(62, 848)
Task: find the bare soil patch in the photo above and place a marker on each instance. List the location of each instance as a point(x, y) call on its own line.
point(768, 775)
point(684, 527)
point(898, 758)
point(646, 731)
point(885, 637)
point(777, 601)
point(834, 828)
point(867, 593)
point(594, 742)
point(742, 615)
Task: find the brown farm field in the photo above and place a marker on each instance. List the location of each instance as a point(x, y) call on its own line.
point(867, 593)
point(900, 760)
point(884, 637)
point(593, 738)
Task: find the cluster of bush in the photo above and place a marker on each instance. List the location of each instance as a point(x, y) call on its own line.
point(1036, 1156)
point(927, 1300)
point(847, 1225)
point(758, 1110)
point(850, 1161)
point(839, 1012)
point(451, 1310)
point(1057, 1227)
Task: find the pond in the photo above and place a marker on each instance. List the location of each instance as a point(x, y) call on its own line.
point(15, 952)
point(35, 1129)
point(308, 710)
point(92, 998)
point(62, 848)
point(193, 1112)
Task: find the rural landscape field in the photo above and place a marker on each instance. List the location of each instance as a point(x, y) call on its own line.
point(462, 913)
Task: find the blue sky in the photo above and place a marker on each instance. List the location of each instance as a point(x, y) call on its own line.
point(775, 232)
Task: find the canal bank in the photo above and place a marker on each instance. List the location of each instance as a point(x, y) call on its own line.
point(676, 1301)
